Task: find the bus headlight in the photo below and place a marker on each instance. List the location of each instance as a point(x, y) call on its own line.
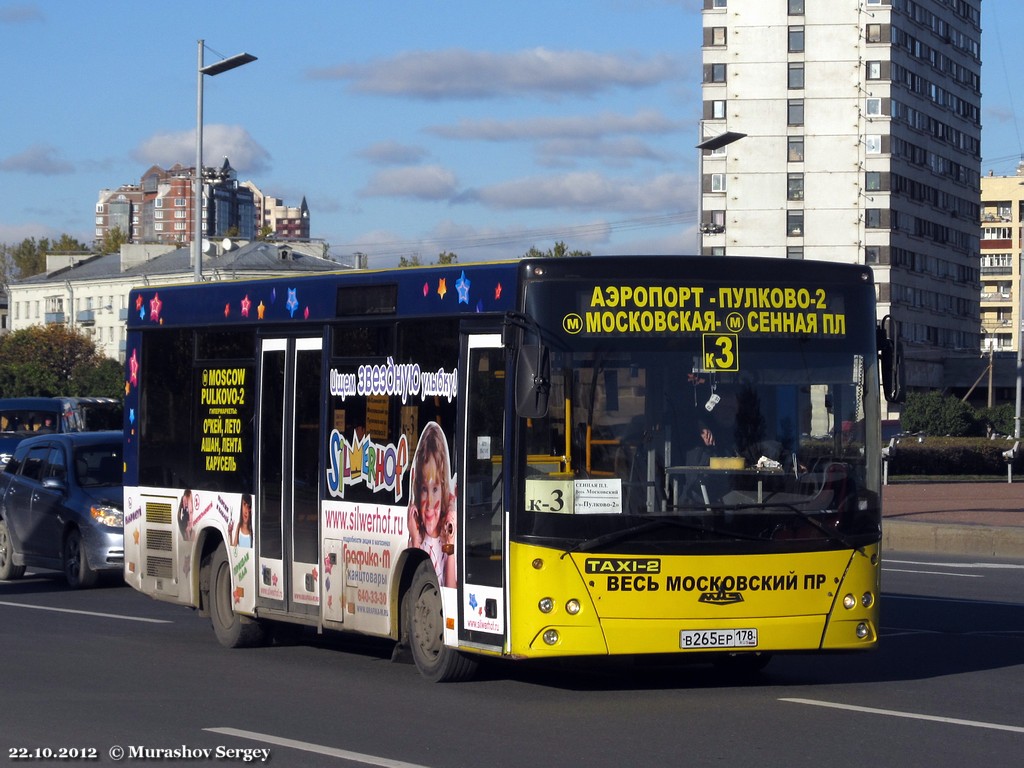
point(546, 605)
point(867, 599)
point(849, 601)
point(862, 630)
point(551, 636)
point(572, 607)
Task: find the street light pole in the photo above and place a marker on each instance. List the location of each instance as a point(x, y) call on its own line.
point(718, 141)
point(216, 68)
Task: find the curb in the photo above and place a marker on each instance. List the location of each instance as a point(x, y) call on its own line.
point(978, 540)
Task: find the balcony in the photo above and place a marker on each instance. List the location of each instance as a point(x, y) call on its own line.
point(54, 318)
point(86, 317)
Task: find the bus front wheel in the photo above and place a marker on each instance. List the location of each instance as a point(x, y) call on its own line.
point(232, 630)
point(424, 620)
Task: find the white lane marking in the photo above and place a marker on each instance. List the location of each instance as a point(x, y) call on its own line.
point(909, 715)
point(87, 613)
point(934, 573)
point(979, 566)
point(319, 749)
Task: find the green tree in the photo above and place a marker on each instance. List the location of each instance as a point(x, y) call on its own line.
point(560, 250)
point(939, 414)
point(265, 233)
point(29, 256)
point(410, 261)
point(113, 239)
point(52, 360)
point(447, 257)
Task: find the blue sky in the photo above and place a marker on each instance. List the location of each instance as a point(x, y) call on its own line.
point(410, 127)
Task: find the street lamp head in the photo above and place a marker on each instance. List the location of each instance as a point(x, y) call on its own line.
point(721, 140)
point(231, 62)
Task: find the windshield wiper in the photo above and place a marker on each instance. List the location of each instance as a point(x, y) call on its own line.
point(612, 537)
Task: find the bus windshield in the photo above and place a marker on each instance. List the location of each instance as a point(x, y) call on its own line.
point(645, 445)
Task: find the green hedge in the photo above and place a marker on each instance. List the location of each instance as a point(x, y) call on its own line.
point(951, 456)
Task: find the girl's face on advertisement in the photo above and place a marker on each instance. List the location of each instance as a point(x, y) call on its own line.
point(430, 497)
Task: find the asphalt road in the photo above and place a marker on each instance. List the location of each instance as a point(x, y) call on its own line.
point(109, 669)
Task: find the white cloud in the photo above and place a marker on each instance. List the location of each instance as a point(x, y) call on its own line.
point(462, 74)
point(427, 182)
point(589, 191)
point(392, 153)
point(39, 160)
point(246, 155)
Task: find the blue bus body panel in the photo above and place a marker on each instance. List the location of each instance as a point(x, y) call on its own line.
point(443, 290)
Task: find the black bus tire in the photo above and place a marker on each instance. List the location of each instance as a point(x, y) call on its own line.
point(232, 630)
point(424, 622)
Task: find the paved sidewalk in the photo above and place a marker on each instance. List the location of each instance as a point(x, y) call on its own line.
point(985, 519)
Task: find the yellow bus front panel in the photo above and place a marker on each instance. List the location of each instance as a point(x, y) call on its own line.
point(587, 604)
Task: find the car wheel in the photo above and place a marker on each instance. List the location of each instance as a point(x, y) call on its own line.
point(424, 620)
point(77, 570)
point(8, 570)
point(232, 630)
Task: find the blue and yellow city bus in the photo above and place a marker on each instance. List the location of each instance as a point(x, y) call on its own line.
point(526, 460)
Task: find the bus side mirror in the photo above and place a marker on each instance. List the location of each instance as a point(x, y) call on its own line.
point(890, 359)
point(533, 381)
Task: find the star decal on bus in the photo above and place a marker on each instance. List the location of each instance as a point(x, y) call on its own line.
point(154, 308)
point(462, 285)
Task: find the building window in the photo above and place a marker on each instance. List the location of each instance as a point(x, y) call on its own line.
point(873, 142)
point(718, 4)
point(871, 253)
point(159, 202)
point(873, 33)
point(794, 251)
point(158, 215)
point(718, 109)
point(795, 152)
point(795, 186)
point(180, 214)
point(873, 218)
point(873, 70)
point(873, 181)
point(873, 107)
point(796, 76)
point(796, 7)
point(714, 73)
point(795, 112)
point(718, 36)
point(795, 223)
point(718, 182)
point(796, 39)
point(179, 202)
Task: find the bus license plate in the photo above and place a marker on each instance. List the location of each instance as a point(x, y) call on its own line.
point(718, 638)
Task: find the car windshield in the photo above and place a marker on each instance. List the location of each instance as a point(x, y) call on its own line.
point(98, 466)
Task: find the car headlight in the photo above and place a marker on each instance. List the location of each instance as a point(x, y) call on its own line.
point(112, 517)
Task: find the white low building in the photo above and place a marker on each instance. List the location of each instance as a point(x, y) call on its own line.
point(91, 293)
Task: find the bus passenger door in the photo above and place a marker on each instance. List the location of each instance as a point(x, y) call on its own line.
point(288, 492)
point(482, 593)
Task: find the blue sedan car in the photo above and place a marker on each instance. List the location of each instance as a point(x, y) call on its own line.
point(61, 506)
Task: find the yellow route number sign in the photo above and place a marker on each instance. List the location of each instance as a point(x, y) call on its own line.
point(721, 352)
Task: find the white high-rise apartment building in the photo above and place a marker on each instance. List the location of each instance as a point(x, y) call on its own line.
point(862, 145)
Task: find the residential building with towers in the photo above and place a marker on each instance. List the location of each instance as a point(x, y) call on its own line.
point(159, 208)
point(853, 134)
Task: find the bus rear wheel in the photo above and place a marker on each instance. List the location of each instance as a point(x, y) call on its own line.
point(423, 617)
point(232, 630)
